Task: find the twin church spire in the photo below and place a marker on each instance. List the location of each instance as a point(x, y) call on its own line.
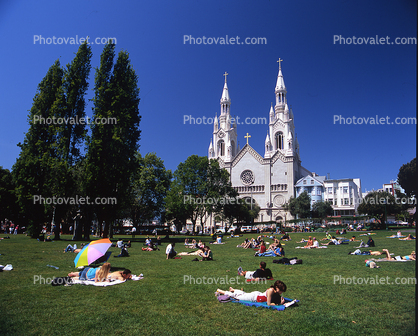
point(280, 136)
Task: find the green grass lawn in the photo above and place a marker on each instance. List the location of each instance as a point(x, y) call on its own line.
point(167, 302)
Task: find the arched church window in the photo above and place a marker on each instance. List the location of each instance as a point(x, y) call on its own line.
point(221, 148)
point(279, 140)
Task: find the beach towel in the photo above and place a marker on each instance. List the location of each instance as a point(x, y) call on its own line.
point(104, 283)
point(288, 303)
point(99, 284)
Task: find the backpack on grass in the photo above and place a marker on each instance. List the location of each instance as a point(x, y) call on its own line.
point(224, 298)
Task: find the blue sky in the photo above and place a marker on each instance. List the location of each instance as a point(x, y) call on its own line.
point(323, 78)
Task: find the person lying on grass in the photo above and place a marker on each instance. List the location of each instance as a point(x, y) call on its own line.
point(121, 275)
point(262, 273)
point(333, 241)
point(409, 237)
point(99, 274)
point(272, 296)
point(398, 235)
point(412, 256)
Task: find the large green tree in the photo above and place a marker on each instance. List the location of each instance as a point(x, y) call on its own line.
point(151, 182)
point(379, 204)
point(200, 188)
point(111, 160)
point(8, 206)
point(321, 210)
point(189, 190)
point(52, 144)
point(35, 170)
point(300, 206)
point(407, 177)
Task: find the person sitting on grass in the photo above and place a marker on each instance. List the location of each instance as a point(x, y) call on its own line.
point(169, 251)
point(193, 245)
point(99, 274)
point(278, 252)
point(315, 243)
point(272, 296)
point(150, 247)
point(353, 238)
point(327, 236)
point(409, 237)
point(207, 254)
point(285, 237)
point(309, 243)
point(262, 273)
point(274, 245)
point(262, 248)
point(370, 242)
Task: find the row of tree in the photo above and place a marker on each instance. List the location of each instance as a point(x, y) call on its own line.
point(62, 160)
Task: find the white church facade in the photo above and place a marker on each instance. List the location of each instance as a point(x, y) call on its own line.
point(270, 178)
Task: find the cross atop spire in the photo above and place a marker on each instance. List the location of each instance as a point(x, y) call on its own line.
point(279, 61)
point(225, 74)
point(247, 136)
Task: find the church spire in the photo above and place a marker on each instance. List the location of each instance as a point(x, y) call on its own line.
point(225, 100)
point(280, 89)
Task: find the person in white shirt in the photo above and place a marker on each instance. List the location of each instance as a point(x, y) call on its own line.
point(169, 251)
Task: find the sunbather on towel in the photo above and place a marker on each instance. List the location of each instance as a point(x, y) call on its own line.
point(412, 256)
point(409, 237)
point(398, 235)
point(121, 275)
point(261, 273)
point(272, 295)
point(99, 274)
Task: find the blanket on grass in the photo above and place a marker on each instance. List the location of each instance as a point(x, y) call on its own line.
point(104, 283)
point(288, 303)
point(254, 280)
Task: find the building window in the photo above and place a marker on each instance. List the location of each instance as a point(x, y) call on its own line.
point(329, 190)
point(330, 201)
point(351, 201)
point(342, 201)
point(318, 191)
point(345, 201)
point(221, 148)
point(247, 177)
point(345, 190)
point(279, 140)
point(312, 181)
point(313, 192)
point(304, 181)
